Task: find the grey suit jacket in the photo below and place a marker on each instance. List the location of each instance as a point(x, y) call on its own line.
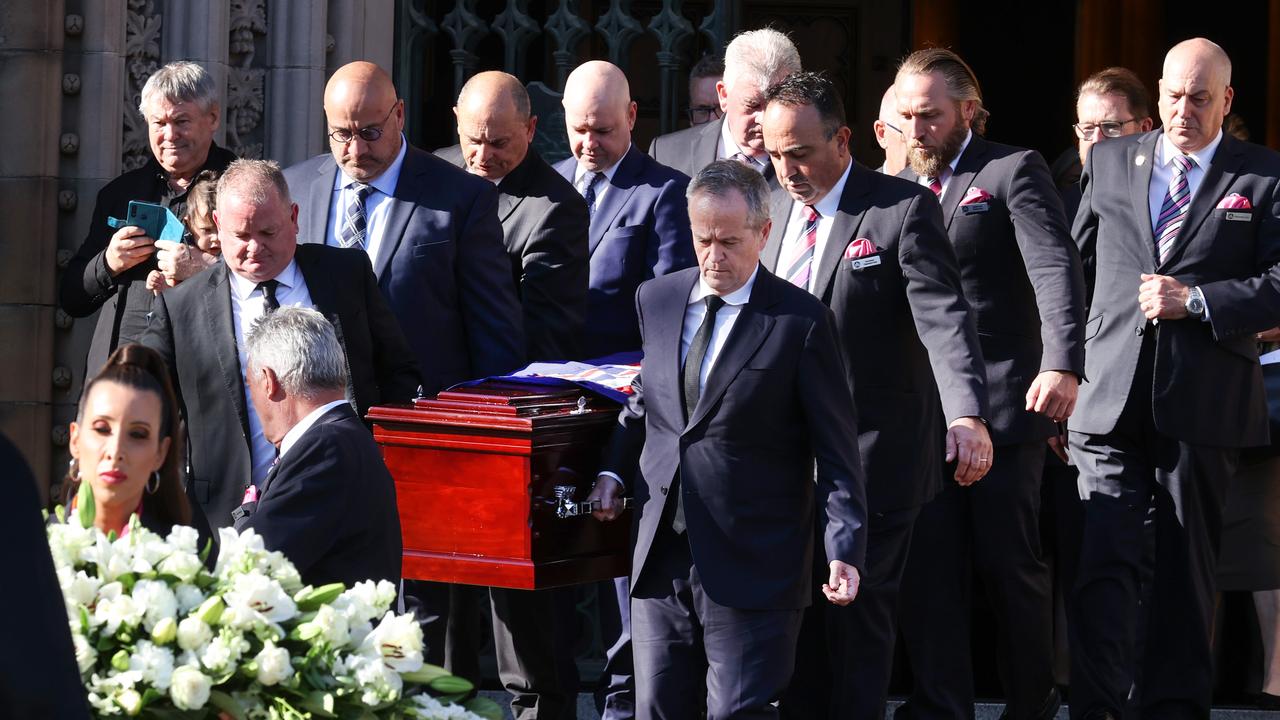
point(1021, 275)
point(544, 228)
point(1207, 386)
point(694, 148)
point(902, 322)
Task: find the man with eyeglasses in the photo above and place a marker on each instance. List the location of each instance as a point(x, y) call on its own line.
point(1111, 103)
point(704, 103)
point(753, 61)
point(889, 136)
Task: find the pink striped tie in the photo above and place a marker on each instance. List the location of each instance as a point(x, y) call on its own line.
point(802, 254)
point(1173, 211)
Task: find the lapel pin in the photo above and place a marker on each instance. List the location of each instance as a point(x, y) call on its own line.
point(1140, 160)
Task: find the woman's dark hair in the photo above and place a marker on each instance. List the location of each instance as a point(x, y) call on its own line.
point(140, 368)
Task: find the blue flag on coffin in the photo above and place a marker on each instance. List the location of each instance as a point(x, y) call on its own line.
point(608, 376)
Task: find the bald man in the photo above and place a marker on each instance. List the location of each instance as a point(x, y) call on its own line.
point(639, 218)
point(1186, 222)
point(544, 220)
point(889, 137)
point(430, 229)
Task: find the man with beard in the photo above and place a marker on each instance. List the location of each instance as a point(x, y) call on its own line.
point(753, 61)
point(873, 249)
point(1022, 277)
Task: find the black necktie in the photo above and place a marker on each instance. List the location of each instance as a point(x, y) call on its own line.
point(692, 370)
point(268, 288)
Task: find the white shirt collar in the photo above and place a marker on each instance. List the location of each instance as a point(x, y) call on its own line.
point(737, 297)
point(731, 146)
point(295, 433)
point(244, 287)
point(609, 172)
point(384, 183)
point(1167, 150)
point(830, 202)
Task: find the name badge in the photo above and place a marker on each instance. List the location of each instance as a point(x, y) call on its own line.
point(1239, 216)
point(974, 208)
point(863, 263)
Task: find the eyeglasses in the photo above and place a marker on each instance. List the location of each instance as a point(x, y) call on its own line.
point(1109, 129)
point(342, 136)
point(893, 128)
point(699, 114)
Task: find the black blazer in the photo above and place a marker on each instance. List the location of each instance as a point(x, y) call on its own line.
point(443, 268)
point(544, 228)
point(193, 329)
point(696, 147)
point(1208, 386)
point(330, 505)
point(777, 397)
point(901, 323)
point(87, 284)
point(1021, 275)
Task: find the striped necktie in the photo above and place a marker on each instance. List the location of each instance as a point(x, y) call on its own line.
point(588, 184)
point(1173, 211)
point(355, 223)
point(802, 253)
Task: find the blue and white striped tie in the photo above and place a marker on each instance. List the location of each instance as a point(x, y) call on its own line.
point(1173, 211)
point(355, 223)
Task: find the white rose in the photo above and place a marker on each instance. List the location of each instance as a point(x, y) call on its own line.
point(67, 542)
point(398, 641)
point(193, 633)
point(189, 688)
point(183, 565)
point(189, 598)
point(155, 664)
point(157, 599)
point(184, 539)
point(273, 664)
point(224, 651)
point(86, 656)
point(130, 701)
point(115, 608)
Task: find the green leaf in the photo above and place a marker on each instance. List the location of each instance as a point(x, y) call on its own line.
point(84, 620)
point(318, 703)
point(425, 675)
point(484, 707)
point(312, 599)
point(204, 554)
point(227, 704)
point(85, 508)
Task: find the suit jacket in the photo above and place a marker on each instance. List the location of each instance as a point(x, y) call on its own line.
point(544, 227)
point(1021, 275)
point(330, 505)
point(442, 267)
point(193, 328)
point(694, 148)
point(640, 230)
point(776, 398)
point(902, 323)
point(1207, 385)
point(88, 285)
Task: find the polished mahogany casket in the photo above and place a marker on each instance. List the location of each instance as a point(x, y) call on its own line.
point(490, 482)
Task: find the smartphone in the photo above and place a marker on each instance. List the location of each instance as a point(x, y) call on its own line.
point(157, 221)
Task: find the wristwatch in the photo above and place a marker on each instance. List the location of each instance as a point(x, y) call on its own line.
point(1195, 303)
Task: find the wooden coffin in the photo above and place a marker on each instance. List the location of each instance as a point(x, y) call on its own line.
point(476, 472)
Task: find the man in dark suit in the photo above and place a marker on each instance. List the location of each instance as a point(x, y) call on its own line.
point(1021, 275)
point(109, 271)
point(873, 249)
point(544, 220)
point(328, 503)
point(744, 386)
point(199, 328)
point(544, 223)
point(639, 219)
point(430, 230)
point(639, 230)
point(1184, 227)
point(753, 61)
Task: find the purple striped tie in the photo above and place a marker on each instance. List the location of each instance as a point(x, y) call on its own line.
point(802, 253)
point(1173, 211)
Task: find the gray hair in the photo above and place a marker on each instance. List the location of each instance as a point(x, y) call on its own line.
point(301, 347)
point(760, 56)
point(723, 176)
point(250, 179)
point(180, 82)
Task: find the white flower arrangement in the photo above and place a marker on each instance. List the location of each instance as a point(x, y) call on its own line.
point(158, 635)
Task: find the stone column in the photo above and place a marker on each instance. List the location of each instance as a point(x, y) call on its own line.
point(31, 44)
point(199, 32)
point(297, 44)
point(362, 30)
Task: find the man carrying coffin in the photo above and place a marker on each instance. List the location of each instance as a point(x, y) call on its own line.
point(743, 387)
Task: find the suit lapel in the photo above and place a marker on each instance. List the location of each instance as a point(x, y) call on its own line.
point(843, 227)
point(1217, 178)
point(402, 204)
point(966, 171)
point(663, 368)
point(319, 197)
point(749, 331)
point(514, 187)
point(1140, 184)
point(780, 214)
point(620, 189)
point(707, 147)
point(323, 288)
point(222, 329)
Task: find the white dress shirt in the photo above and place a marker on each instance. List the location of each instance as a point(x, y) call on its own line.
point(377, 205)
point(725, 318)
point(954, 161)
point(1162, 172)
point(297, 431)
point(730, 147)
point(601, 188)
point(827, 208)
point(247, 305)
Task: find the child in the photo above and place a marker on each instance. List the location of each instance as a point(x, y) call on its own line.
point(179, 261)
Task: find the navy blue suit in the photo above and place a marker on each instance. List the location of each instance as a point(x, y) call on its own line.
point(639, 230)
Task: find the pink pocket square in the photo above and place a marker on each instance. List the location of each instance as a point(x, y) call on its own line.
point(975, 195)
point(861, 247)
point(1235, 201)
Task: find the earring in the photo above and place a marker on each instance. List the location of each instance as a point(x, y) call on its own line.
point(153, 484)
point(73, 470)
